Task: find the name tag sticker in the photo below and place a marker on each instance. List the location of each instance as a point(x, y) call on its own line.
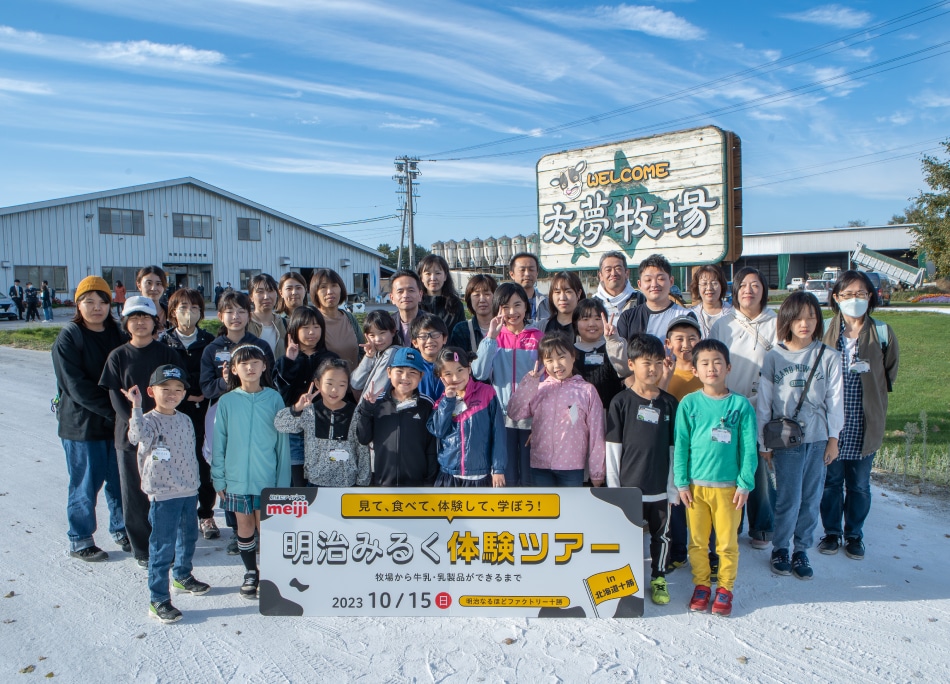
point(592, 359)
point(860, 366)
point(407, 404)
point(339, 455)
point(161, 454)
point(721, 435)
point(223, 356)
point(648, 414)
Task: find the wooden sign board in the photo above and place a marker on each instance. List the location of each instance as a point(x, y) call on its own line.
point(678, 194)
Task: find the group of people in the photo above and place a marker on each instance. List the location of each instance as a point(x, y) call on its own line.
point(32, 299)
point(499, 387)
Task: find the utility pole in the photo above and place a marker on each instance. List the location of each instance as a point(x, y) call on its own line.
point(407, 171)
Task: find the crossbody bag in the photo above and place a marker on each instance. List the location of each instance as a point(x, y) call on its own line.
point(787, 433)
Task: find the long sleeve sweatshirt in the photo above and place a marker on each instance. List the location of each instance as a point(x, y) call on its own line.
point(166, 454)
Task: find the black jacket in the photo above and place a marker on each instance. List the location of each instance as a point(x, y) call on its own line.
point(450, 310)
point(405, 450)
point(212, 384)
point(85, 411)
point(191, 362)
point(293, 378)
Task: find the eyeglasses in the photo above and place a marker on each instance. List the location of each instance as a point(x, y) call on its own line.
point(429, 336)
point(853, 295)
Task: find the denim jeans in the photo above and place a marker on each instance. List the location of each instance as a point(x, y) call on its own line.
point(799, 481)
point(90, 465)
point(173, 538)
point(48, 313)
point(847, 494)
point(761, 504)
point(518, 471)
point(545, 477)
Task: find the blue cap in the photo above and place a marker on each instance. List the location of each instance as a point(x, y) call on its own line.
point(407, 357)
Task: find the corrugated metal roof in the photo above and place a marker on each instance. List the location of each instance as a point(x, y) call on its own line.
point(188, 180)
point(827, 240)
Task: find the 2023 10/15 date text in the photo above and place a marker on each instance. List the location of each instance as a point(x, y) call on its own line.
point(384, 600)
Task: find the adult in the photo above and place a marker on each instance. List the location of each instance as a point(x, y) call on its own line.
point(342, 333)
point(748, 330)
point(440, 297)
point(186, 309)
point(87, 420)
point(707, 290)
point(405, 292)
point(659, 309)
point(293, 293)
point(869, 359)
point(264, 321)
point(218, 291)
point(615, 290)
point(119, 299)
point(152, 281)
point(565, 292)
point(523, 269)
point(16, 294)
point(46, 299)
point(201, 290)
point(32, 297)
point(478, 299)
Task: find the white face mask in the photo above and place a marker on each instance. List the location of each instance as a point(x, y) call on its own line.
point(186, 320)
point(855, 308)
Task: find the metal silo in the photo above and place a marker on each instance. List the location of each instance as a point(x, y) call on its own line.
point(478, 253)
point(451, 253)
point(465, 253)
point(491, 251)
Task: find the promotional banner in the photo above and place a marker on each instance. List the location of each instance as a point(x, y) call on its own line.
point(678, 194)
point(571, 552)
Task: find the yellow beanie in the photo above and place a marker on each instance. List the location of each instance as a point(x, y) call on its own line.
point(94, 284)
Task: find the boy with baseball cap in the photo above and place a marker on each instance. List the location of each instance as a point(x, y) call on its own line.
point(166, 458)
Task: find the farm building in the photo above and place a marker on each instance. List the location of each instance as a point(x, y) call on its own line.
point(198, 233)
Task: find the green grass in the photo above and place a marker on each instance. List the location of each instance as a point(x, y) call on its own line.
point(30, 338)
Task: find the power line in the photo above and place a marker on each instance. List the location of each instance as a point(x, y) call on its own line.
point(737, 77)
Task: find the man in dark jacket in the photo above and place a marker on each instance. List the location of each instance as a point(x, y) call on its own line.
point(395, 422)
point(16, 294)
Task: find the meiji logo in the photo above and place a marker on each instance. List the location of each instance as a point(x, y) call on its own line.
point(297, 509)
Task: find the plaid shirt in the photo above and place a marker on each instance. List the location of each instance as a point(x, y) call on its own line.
point(852, 436)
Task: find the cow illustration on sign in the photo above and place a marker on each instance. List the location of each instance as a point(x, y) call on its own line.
point(571, 180)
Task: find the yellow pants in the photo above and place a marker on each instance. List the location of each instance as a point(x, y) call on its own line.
point(713, 509)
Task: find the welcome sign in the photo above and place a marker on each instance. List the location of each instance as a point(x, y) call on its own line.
point(573, 552)
point(678, 194)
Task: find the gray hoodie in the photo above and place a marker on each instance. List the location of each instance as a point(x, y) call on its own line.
point(166, 454)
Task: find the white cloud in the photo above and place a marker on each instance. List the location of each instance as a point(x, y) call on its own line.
point(931, 100)
point(144, 51)
point(642, 18)
point(407, 123)
point(836, 16)
point(765, 116)
point(11, 85)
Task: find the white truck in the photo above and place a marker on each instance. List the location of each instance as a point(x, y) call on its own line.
point(869, 260)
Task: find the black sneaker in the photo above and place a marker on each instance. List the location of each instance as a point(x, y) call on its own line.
point(713, 568)
point(191, 586)
point(829, 544)
point(124, 543)
point(164, 611)
point(675, 563)
point(780, 563)
point(854, 548)
point(249, 588)
point(801, 568)
point(233, 549)
point(142, 562)
point(90, 554)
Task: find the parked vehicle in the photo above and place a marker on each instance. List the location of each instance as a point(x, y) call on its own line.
point(821, 289)
point(796, 284)
point(8, 308)
point(831, 273)
point(883, 286)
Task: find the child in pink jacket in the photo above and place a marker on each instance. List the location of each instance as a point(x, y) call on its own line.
point(567, 429)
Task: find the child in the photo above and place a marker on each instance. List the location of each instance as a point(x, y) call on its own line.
point(129, 365)
point(185, 311)
point(429, 335)
point(248, 454)
point(800, 470)
point(681, 336)
point(468, 423)
point(505, 355)
point(594, 355)
point(379, 328)
point(306, 350)
point(440, 297)
point(567, 418)
point(655, 314)
point(396, 422)
point(166, 457)
point(566, 291)
point(333, 455)
point(714, 469)
point(640, 428)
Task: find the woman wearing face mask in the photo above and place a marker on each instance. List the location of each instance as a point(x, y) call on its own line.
point(869, 360)
point(186, 308)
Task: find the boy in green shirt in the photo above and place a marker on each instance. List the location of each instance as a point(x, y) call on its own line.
point(714, 470)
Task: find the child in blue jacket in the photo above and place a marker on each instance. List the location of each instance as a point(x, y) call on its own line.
point(469, 425)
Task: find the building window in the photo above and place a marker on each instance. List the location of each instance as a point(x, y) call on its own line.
point(249, 229)
point(54, 275)
point(191, 226)
point(121, 221)
point(124, 273)
point(245, 278)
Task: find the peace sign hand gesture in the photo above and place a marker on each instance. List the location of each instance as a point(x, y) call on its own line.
point(369, 349)
point(536, 373)
point(609, 329)
point(370, 396)
point(293, 349)
point(306, 399)
point(494, 327)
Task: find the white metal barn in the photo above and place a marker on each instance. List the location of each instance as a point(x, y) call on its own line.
point(198, 233)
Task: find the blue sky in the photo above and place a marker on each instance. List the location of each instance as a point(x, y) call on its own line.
point(302, 105)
